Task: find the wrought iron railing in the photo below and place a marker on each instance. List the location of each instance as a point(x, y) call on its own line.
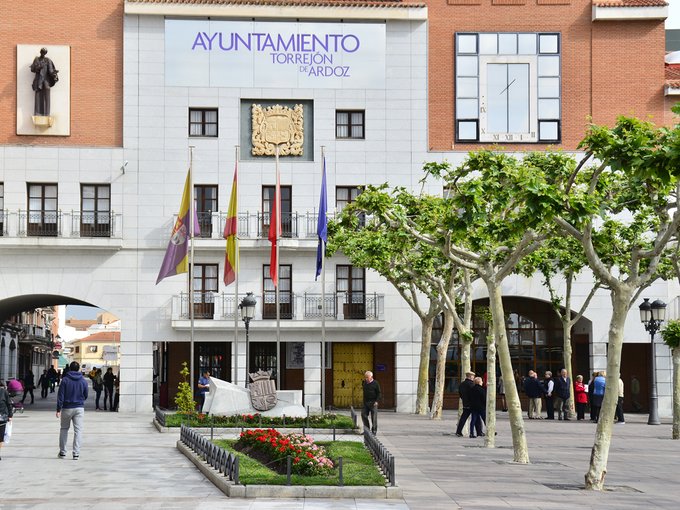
point(204, 305)
point(160, 416)
point(216, 457)
point(289, 224)
point(61, 224)
point(92, 224)
point(314, 306)
point(359, 305)
point(383, 458)
point(286, 305)
point(4, 214)
point(40, 223)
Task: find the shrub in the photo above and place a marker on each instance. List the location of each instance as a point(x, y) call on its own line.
point(184, 398)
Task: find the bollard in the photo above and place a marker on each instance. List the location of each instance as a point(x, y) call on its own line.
point(341, 482)
point(307, 416)
point(283, 416)
point(212, 425)
point(289, 468)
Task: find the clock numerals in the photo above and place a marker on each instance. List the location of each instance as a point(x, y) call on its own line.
point(509, 137)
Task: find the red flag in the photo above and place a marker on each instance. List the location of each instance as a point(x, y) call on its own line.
point(275, 230)
point(231, 233)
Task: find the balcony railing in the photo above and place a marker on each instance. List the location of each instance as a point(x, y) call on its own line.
point(255, 225)
point(305, 307)
point(3, 222)
point(61, 224)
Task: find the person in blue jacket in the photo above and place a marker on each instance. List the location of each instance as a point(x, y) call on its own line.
point(71, 408)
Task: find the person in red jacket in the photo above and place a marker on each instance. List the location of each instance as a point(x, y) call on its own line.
point(581, 398)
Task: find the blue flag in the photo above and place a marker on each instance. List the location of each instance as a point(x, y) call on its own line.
point(322, 224)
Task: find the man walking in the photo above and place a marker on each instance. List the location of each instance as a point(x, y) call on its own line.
point(71, 408)
point(371, 396)
point(563, 392)
point(464, 392)
point(619, 404)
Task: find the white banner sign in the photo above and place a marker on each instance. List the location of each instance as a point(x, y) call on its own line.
point(203, 53)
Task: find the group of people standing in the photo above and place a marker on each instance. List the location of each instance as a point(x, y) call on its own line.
point(108, 383)
point(553, 392)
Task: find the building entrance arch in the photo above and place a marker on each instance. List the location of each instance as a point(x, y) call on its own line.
point(535, 338)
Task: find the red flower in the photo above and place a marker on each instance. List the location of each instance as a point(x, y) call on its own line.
point(296, 460)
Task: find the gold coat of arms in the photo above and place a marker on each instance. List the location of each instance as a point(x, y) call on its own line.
point(262, 391)
point(277, 125)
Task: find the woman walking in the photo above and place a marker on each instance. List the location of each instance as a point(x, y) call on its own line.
point(98, 386)
point(5, 413)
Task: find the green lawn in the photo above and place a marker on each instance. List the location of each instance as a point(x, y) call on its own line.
point(358, 467)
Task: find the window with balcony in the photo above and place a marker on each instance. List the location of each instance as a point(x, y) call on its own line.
point(205, 287)
point(351, 281)
point(345, 195)
point(2, 209)
point(285, 293)
point(288, 225)
point(42, 210)
point(350, 124)
point(203, 122)
point(95, 207)
point(205, 197)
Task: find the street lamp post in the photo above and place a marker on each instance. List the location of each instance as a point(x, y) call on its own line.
point(652, 316)
point(247, 308)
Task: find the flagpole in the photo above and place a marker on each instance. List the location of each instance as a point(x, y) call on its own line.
point(191, 268)
point(236, 292)
point(323, 306)
point(277, 205)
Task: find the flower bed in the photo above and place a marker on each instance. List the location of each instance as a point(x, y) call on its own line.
point(308, 458)
point(326, 420)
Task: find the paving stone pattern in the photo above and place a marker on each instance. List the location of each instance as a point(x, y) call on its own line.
point(126, 464)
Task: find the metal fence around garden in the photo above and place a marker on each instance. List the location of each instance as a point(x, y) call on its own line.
point(217, 457)
point(227, 463)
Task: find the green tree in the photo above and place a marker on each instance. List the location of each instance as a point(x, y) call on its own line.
point(624, 212)
point(561, 259)
point(401, 260)
point(498, 210)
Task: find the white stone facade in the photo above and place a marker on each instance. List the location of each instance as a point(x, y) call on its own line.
point(146, 175)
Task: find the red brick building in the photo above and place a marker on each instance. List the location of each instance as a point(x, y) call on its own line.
point(562, 63)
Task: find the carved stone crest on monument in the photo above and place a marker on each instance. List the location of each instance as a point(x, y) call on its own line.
point(277, 125)
point(262, 391)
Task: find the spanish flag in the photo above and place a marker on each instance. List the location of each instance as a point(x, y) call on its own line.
point(231, 233)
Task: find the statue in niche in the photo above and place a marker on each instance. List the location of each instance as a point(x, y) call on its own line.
point(45, 78)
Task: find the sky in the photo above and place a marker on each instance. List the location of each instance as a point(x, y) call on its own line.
point(673, 20)
point(82, 312)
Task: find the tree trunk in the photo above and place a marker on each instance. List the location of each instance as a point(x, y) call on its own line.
point(519, 440)
point(490, 439)
point(465, 366)
point(422, 397)
point(442, 348)
point(566, 359)
point(594, 478)
point(676, 393)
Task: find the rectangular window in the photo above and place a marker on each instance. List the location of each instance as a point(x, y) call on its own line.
point(349, 124)
point(508, 87)
point(205, 288)
point(285, 293)
point(203, 122)
point(95, 210)
point(351, 281)
point(205, 197)
point(42, 210)
point(2, 209)
point(345, 195)
point(288, 219)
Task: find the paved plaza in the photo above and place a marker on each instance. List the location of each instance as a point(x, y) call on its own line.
point(125, 463)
